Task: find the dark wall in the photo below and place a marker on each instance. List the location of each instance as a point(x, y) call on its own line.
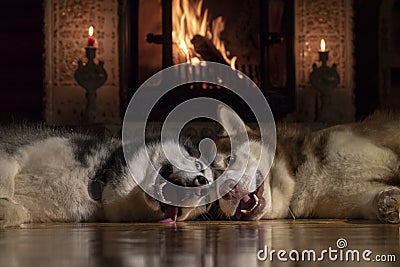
point(366, 21)
point(21, 67)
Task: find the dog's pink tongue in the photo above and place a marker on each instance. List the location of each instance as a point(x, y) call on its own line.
point(246, 198)
point(242, 205)
point(170, 215)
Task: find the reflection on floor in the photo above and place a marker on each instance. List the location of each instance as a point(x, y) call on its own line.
point(202, 244)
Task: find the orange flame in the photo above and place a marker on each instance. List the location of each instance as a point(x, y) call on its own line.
point(189, 20)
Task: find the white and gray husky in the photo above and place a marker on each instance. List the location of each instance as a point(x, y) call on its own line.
point(49, 175)
point(345, 171)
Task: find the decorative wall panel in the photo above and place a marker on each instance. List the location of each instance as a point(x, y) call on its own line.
point(66, 31)
point(333, 21)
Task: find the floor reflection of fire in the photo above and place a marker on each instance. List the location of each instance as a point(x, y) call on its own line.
point(196, 38)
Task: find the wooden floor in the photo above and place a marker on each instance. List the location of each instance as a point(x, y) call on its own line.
point(198, 244)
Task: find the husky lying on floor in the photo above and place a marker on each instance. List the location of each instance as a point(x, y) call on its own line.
point(49, 175)
point(346, 171)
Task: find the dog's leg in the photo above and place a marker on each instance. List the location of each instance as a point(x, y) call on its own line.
point(12, 214)
point(9, 168)
point(388, 205)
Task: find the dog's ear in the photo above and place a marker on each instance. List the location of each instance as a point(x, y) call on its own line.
point(231, 122)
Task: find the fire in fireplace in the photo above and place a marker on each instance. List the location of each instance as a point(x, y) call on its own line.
point(253, 36)
point(195, 38)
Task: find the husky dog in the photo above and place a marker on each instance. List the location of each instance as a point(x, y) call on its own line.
point(345, 171)
point(50, 175)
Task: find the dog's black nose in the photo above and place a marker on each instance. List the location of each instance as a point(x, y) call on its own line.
point(200, 180)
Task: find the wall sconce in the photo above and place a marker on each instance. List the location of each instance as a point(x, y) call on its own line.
point(90, 76)
point(325, 79)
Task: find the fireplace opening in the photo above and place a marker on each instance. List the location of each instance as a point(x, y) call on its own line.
point(181, 93)
point(254, 37)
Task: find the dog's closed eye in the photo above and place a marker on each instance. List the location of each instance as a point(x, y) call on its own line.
point(229, 160)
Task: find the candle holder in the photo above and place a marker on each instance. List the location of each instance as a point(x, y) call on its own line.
point(325, 79)
point(90, 76)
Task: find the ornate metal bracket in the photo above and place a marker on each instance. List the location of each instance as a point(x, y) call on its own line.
point(90, 76)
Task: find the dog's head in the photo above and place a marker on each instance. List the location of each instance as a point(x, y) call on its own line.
point(180, 169)
point(243, 164)
point(163, 181)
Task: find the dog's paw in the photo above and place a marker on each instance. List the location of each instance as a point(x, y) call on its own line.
point(11, 214)
point(388, 202)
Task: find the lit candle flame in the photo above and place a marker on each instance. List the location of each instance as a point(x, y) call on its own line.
point(322, 45)
point(91, 31)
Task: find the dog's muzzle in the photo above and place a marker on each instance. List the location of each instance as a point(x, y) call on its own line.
point(249, 204)
point(169, 193)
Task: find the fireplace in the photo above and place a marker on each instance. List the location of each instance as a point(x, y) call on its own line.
point(254, 36)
